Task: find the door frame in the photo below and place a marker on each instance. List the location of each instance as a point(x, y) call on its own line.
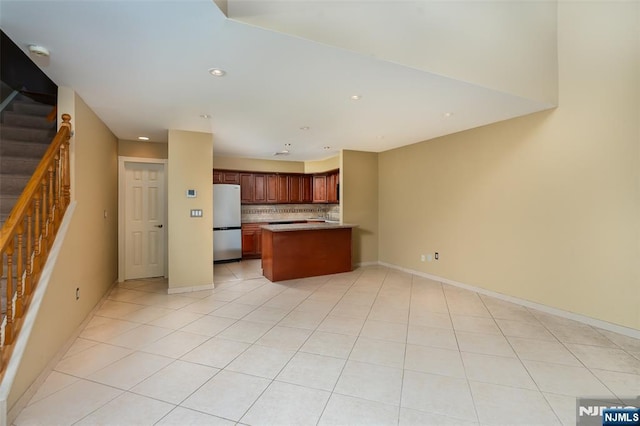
point(122, 200)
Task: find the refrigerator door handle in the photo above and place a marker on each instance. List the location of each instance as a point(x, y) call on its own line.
point(227, 228)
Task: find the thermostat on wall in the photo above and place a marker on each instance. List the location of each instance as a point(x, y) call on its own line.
point(191, 193)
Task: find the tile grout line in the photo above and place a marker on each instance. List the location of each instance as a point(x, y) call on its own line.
point(388, 283)
point(287, 363)
point(353, 346)
point(564, 345)
point(521, 361)
point(464, 367)
point(406, 344)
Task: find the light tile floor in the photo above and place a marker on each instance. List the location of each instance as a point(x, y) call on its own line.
point(373, 347)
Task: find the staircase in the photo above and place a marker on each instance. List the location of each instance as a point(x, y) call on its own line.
point(25, 134)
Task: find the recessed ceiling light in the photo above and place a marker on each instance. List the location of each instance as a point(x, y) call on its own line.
point(304, 128)
point(448, 114)
point(143, 138)
point(38, 50)
point(217, 72)
point(356, 97)
point(205, 116)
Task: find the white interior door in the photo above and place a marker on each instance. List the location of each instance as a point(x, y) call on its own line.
point(144, 220)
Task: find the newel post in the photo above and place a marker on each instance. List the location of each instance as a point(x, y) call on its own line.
point(66, 179)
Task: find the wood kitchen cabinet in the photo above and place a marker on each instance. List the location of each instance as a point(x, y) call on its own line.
point(226, 176)
point(259, 188)
point(295, 189)
point(247, 181)
point(254, 188)
point(307, 188)
point(272, 188)
point(319, 188)
point(251, 240)
point(317, 250)
point(300, 189)
point(333, 181)
point(283, 188)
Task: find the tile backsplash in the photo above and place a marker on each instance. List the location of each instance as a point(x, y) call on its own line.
point(273, 212)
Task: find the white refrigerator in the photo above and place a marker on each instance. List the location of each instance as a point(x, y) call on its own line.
point(227, 231)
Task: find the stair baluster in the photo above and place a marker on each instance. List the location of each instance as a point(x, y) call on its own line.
point(29, 269)
point(8, 328)
point(27, 236)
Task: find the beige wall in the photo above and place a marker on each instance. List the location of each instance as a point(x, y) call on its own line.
point(88, 258)
point(139, 149)
point(544, 207)
point(190, 239)
point(320, 166)
point(276, 166)
point(255, 165)
point(359, 202)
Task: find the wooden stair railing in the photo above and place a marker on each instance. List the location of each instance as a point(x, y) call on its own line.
point(29, 232)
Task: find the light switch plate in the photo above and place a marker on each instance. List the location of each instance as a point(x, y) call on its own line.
point(196, 212)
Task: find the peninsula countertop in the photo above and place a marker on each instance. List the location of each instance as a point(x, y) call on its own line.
point(313, 226)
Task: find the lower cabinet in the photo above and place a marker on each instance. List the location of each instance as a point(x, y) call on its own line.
point(251, 240)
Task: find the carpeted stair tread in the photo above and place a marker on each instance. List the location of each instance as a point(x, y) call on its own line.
point(12, 118)
point(26, 134)
point(13, 185)
point(14, 148)
point(31, 108)
point(10, 165)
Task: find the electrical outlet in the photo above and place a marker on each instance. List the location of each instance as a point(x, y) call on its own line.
point(436, 256)
point(77, 293)
point(422, 258)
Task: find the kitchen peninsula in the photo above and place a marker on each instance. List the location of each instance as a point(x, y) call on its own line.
point(305, 250)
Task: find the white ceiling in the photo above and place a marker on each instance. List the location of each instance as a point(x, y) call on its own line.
point(142, 66)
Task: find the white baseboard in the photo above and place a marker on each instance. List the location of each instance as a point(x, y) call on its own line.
point(362, 264)
point(594, 322)
point(178, 290)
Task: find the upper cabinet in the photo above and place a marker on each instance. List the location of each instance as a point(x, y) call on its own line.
point(307, 188)
point(226, 176)
point(300, 189)
point(281, 188)
point(319, 188)
point(259, 189)
point(326, 187)
point(247, 187)
point(272, 189)
point(333, 187)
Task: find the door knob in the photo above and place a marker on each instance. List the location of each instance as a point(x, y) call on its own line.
point(158, 226)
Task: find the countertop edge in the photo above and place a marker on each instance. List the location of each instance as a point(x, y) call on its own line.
point(307, 227)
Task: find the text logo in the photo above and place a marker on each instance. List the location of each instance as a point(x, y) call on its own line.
point(621, 416)
point(608, 411)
